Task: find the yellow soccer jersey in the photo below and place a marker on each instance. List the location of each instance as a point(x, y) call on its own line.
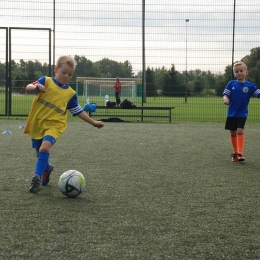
point(48, 114)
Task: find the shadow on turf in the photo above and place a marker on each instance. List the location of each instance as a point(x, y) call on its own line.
point(56, 195)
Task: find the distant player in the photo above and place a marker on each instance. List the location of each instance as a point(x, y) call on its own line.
point(47, 119)
point(118, 89)
point(237, 95)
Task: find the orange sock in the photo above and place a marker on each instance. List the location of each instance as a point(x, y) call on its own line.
point(240, 143)
point(234, 143)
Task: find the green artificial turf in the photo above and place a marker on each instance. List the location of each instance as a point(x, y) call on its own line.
point(154, 191)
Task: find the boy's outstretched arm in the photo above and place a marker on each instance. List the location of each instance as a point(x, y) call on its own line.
point(84, 116)
point(34, 88)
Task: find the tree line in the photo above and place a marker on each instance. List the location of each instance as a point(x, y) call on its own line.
point(174, 83)
point(159, 81)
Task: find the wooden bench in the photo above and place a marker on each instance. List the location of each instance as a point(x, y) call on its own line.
point(111, 111)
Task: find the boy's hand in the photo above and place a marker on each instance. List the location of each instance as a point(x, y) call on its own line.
point(226, 100)
point(40, 88)
point(98, 124)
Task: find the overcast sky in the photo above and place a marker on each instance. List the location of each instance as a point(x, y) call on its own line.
point(113, 29)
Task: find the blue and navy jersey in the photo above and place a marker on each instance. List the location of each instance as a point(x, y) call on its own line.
point(239, 94)
point(73, 105)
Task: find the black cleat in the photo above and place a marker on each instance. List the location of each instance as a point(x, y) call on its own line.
point(36, 181)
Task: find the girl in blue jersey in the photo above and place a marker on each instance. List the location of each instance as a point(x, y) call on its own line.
point(47, 119)
point(237, 95)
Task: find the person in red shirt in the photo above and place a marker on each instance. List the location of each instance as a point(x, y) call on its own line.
point(118, 89)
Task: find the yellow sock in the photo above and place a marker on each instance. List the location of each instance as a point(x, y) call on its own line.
point(240, 143)
point(234, 143)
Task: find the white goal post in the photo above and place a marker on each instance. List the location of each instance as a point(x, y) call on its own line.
point(100, 87)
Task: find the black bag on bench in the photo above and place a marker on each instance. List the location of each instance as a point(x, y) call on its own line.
point(127, 104)
point(110, 104)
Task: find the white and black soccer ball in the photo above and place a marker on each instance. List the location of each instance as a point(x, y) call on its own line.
point(72, 183)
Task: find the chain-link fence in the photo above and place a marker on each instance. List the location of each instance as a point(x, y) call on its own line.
point(182, 51)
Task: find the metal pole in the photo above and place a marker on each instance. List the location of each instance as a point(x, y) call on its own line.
point(49, 53)
point(186, 81)
point(9, 111)
point(53, 37)
point(7, 81)
point(143, 54)
point(233, 41)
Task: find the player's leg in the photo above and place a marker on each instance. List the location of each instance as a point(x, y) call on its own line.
point(240, 138)
point(49, 167)
point(117, 99)
point(231, 126)
point(36, 181)
point(233, 139)
point(42, 165)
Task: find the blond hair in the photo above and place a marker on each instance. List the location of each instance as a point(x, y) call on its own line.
point(66, 59)
point(239, 63)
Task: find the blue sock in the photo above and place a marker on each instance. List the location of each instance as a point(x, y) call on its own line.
point(47, 167)
point(41, 163)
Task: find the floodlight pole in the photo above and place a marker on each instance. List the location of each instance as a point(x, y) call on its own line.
point(233, 40)
point(54, 18)
point(143, 56)
point(186, 81)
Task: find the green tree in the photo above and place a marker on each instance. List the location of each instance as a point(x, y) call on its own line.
point(38, 69)
point(160, 78)
point(2, 73)
point(220, 84)
point(174, 83)
point(222, 80)
point(150, 83)
point(84, 67)
point(20, 81)
point(171, 82)
point(198, 86)
point(128, 69)
point(228, 75)
point(253, 65)
point(112, 69)
point(32, 72)
point(45, 69)
point(211, 79)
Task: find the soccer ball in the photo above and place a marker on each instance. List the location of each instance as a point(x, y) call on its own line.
point(72, 183)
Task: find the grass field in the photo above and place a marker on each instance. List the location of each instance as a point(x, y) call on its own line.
point(197, 109)
point(154, 191)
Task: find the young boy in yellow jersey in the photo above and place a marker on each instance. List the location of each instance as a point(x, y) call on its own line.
point(47, 119)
